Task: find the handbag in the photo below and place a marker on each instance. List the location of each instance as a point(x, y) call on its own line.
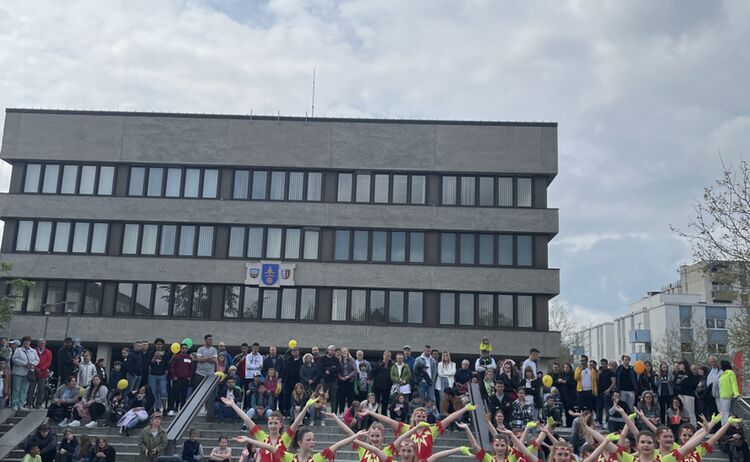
point(31, 374)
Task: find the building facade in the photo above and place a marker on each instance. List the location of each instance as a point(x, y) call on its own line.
point(366, 233)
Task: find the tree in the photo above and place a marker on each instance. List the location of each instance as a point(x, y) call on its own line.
point(10, 292)
point(682, 343)
point(561, 319)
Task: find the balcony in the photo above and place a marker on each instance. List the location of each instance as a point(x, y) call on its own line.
point(640, 336)
point(723, 296)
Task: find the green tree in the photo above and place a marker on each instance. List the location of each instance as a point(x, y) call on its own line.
point(10, 292)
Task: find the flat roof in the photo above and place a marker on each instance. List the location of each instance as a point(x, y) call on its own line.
point(281, 118)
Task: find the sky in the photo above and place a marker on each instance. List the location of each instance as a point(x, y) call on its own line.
point(648, 95)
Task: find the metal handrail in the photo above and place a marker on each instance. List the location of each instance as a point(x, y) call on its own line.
point(480, 426)
point(190, 410)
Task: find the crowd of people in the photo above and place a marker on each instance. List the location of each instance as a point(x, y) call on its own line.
point(402, 391)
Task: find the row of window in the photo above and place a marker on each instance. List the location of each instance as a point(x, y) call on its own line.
point(146, 299)
point(379, 246)
point(280, 185)
point(57, 297)
point(288, 304)
point(168, 240)
point(273, 242)
point(486, 249)
point(62, 237)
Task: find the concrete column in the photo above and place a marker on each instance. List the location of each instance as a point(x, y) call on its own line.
point(104, 350)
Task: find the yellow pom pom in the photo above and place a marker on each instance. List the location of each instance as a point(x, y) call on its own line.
point(613, 437)
point(470, 407)
point(632, 416)
point(531, 425)
point(466, 451)
point(122, 384)
point(734, 420)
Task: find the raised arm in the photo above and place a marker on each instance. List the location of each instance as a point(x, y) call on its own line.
point(301, 415)
point(603, 440)
point(646, 421)
point(256, 443)
point(446, 453)
point(378, 452)
point(455, 415)
point(548, 432)
point(628, 421)
point(597, 452)
point(344, 427)
point(397, 442)
point(473, 441)
point(385, 420)
point(245, 418)
point(340, 444)
point(520, 447)
point(490, 425)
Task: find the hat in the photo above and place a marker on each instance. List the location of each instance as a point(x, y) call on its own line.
point(16, 341)
point(406, 346)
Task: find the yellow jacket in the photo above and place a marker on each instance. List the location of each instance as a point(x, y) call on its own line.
point(579, 382)
point(728, 385)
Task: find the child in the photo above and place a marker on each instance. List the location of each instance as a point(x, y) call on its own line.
point(32, 455)
point(552, 410)
point(485, 345)
point(115, 375)
point(362, 385)
point(192, 449)
point(221, 453)
point(68, 447)
point(433, 415)
point(416, 401)
point(351, 419)
point(399, 409)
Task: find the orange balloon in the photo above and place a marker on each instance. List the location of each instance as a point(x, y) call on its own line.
point(639, 367)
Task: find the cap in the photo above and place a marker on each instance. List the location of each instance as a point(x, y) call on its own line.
point(406, 347)
point(16, 342)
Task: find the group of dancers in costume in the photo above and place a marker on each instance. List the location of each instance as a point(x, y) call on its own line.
point(414, 441)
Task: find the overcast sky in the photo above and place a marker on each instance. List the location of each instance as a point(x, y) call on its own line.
point(648, 95)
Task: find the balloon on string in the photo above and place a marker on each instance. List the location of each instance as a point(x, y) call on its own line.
point(188, 342)
point(292, 344)
point(122, 384)
point(639, 367)
point(220, 375)
point(547, 380)
point(175, 348)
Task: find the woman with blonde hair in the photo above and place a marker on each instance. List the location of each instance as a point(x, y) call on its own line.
point(446, 375)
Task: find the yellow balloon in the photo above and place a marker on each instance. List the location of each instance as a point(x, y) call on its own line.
point(175, 348)
point(220, 375)
point(122, 384)
point(547, 380)
point(292, 344)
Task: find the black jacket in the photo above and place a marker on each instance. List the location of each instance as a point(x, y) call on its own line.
point(65, 364)
point(291, 371)
point(331, 365)
point(191, 450)
point(381, 375)
point(109, 454)
point(46, 444)
point(501, 404)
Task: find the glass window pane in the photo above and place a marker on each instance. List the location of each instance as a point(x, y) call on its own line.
point(251, 303)
point(278, 186)
point(236, 241)
point(468, 190)
point(341, 251)
point(68, 186)
point(62, 237)
point(485, 310)
point(148, 239)
point(55, 295)
point(124, 298)
point(296, 186)
point(400, 187)
point(136, 181)
point(143, 299)
point(505, 311)
point(486, 190)
point(81, 237)
point(418, 185)
point(168, 239)
point(447, 309)
point(255, 243)
point(273, 243)
point(314, 186)
point(504, 249)
point(525, 311)
point(447, 248)
point(161, 299)
point(200, 301)
point(155, 180)
point(106, 180)
point(130, 239)
point(381, 189)
point(23, 236)
point(363, 188)
point(51, 172)
point(187, 240)
point(31, 182)
point(396, 306)
point(174, 182)
point(505, 192)
point(449, 190)
point(289, 304)
point(398, 246)
point(36, 295)
point(259, 184)
point(338, 305)
point(307, 305)
point(43, 233)
point(311, 244)
point(210, 183)
point(345, 188)
point(416, 247)
point(88, 180)
point(231, 301)
point(524, 192)
point(524, 250)
point(379, 245)
point(377, 306)
point(241, 183)
point(183, 294)
point(467, 249)
point(359, 305)
point(486, 249)
point(415, 308)
point(361, 239)
point(206, 241)
point(192, 182)
point(17, 296)
point(99, 238)
point(466, 309)
point(291, 243)
point(93, 302)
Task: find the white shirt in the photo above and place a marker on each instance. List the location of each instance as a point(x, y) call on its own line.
point(427, 365)
point(253, 365)
point(528, 363)
point(586, 379)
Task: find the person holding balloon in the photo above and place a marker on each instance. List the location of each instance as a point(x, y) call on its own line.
point(181, 369)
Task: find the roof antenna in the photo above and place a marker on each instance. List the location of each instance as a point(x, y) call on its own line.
point(313, 95)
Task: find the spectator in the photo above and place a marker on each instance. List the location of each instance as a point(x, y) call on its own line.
point(24, 362)
point(347, 375)
point(65, 360)
point(229, 390)
point(86, 370)
point(450, 404)
point(615, 422)
point(665, 390)
point(77, 347)
point(223, 358)
point(552, 409)
point(531, 360)
point(605, 383)
point(273, 360)
point(408, 359)
point(500, 402)
point(728, 390)
point(371, 404)
point(158, 361)
point(115, 375)
point(139, 405)
point(533, 388)
point(32, 455)
point(5, 382)
point(425, 374)
point(85, 449)
point(68, 447)
point(253, 364)
point(315, 352)
point(62, 403)
point(329, 370)
point(484, 362)
point(677, 415)
point(38, 387)
point(711, 398)
point(117, 405)
point(297, 400)
point(232, 373)
point(586, 383)
point(485, 345)
point(316, 410)
point(400, 377)
point(446, 373)
point(192, 449)
point(487, 386)
point(152, 441)
point(650, 409)
point(273, 385)
point(701, 390)
point(578, 437)
point(101, 370)
point(736, 448)
point(509, 377)
point(5, 350)
point(102, 451)
point(221, 453)
point(647, 380)
point(93, 405)
point(415, 402)
point(130, 367)
point(44, 440)
point(362, 383)
point(309, 373)
point(522, 412)
point(205, 359)
point(626, 381)
point(685, 384)
point(181, 369)
point(244, 349)
point(292, 366)
point(463, 377)
point(359, 358)
point(433, 414)
point(381, 380)
point(399, 408)
point(261, 403)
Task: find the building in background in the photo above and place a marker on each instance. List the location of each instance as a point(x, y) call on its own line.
point(365, 233)
point(715, 282)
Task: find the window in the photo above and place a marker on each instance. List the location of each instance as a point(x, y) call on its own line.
point(93, 299)
point(162, 299)
point(273, 243)
point(259, 184)
point(255, 243)
point(505, 192)
point(524, 192)
point(69, 177)
point(382, 184)
point(486, 191)
point(525, 311)
point(307, 304)
point(686, 316)
point(361, 239)
point(341, 251)
point(99, 238)
point(241, 184)
point(291, 244)
point(314, 186)
point(200, 301)
point(296, 186)
point(23, 235)
point(62, 237)
point(31, 182)
point(485, 310)
point(447, 248)
point(143, 300)
point(124, 298)
point(270, 303)
point(359, 305)
point(168, 239)
point(344, 188)
point(288, 303)
point(524, 251)
point(379, 245)
point(416, 247)
point(43, 233)
point(251, 303)
point(155, 180)
point(447, 309)
point(311, 244)
point(415, 307)
point(80, 237)
point(449, 190)
point(192, 182)
point(418, 183)
point(210, 183)
point(505, 250)
point(398, 246)
point(88, 181)
point(338, 305)
point(395, 306)
point(236, 241)
point(36, 295)
point(466, 309)
point(205, 241)
point(130, 239)
point(49, 185)
point(174, 182)
point(187, 240)
point(486, 249)
point(278, 186)
point(148, 239)
point(468, 190)
point(505, 310)
point(363, 188)
point(182, 294)
point(467, 249)
point(400, 188)
point(231, 301)
point(137, 175)
point(55, 297)
point(106, 180)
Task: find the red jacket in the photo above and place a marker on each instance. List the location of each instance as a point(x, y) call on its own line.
point(181, 366)
point(45, 361)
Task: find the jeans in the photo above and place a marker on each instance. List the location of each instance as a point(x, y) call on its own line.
point(134, 381)
point(20, 388)
point(426, 391)
point(158, 385)
point(37, 389)
point(628, 397)
point(585, 400)
point(602, 401)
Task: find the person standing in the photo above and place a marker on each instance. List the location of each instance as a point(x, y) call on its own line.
point(728, 390)
point(86, 370)
point(253, 365)
point(711, 397)
point(224, 358)
point(24, 360)
point(446, 373)
point(205, 358)
point(36, 392)
point(347, 375)
point(381, 381)
point(157, 374)
point(626, 381)
point(152, 440)
point(605, 378)
point(132, 365)
point(329, 372)
point(408, 358)
point(292, 366)
point(181, 369)
point(531, 361)
point(425, 370)
point(273, 361)
point(65, 361)
point(586, 384)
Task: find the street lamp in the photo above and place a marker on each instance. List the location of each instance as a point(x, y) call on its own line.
point(47, 312)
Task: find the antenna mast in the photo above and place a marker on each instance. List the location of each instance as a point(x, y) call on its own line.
point(313, 94)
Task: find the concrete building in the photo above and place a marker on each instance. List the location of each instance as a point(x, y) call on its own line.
point(597, 341)
point(715, 282)
point(365, 233)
